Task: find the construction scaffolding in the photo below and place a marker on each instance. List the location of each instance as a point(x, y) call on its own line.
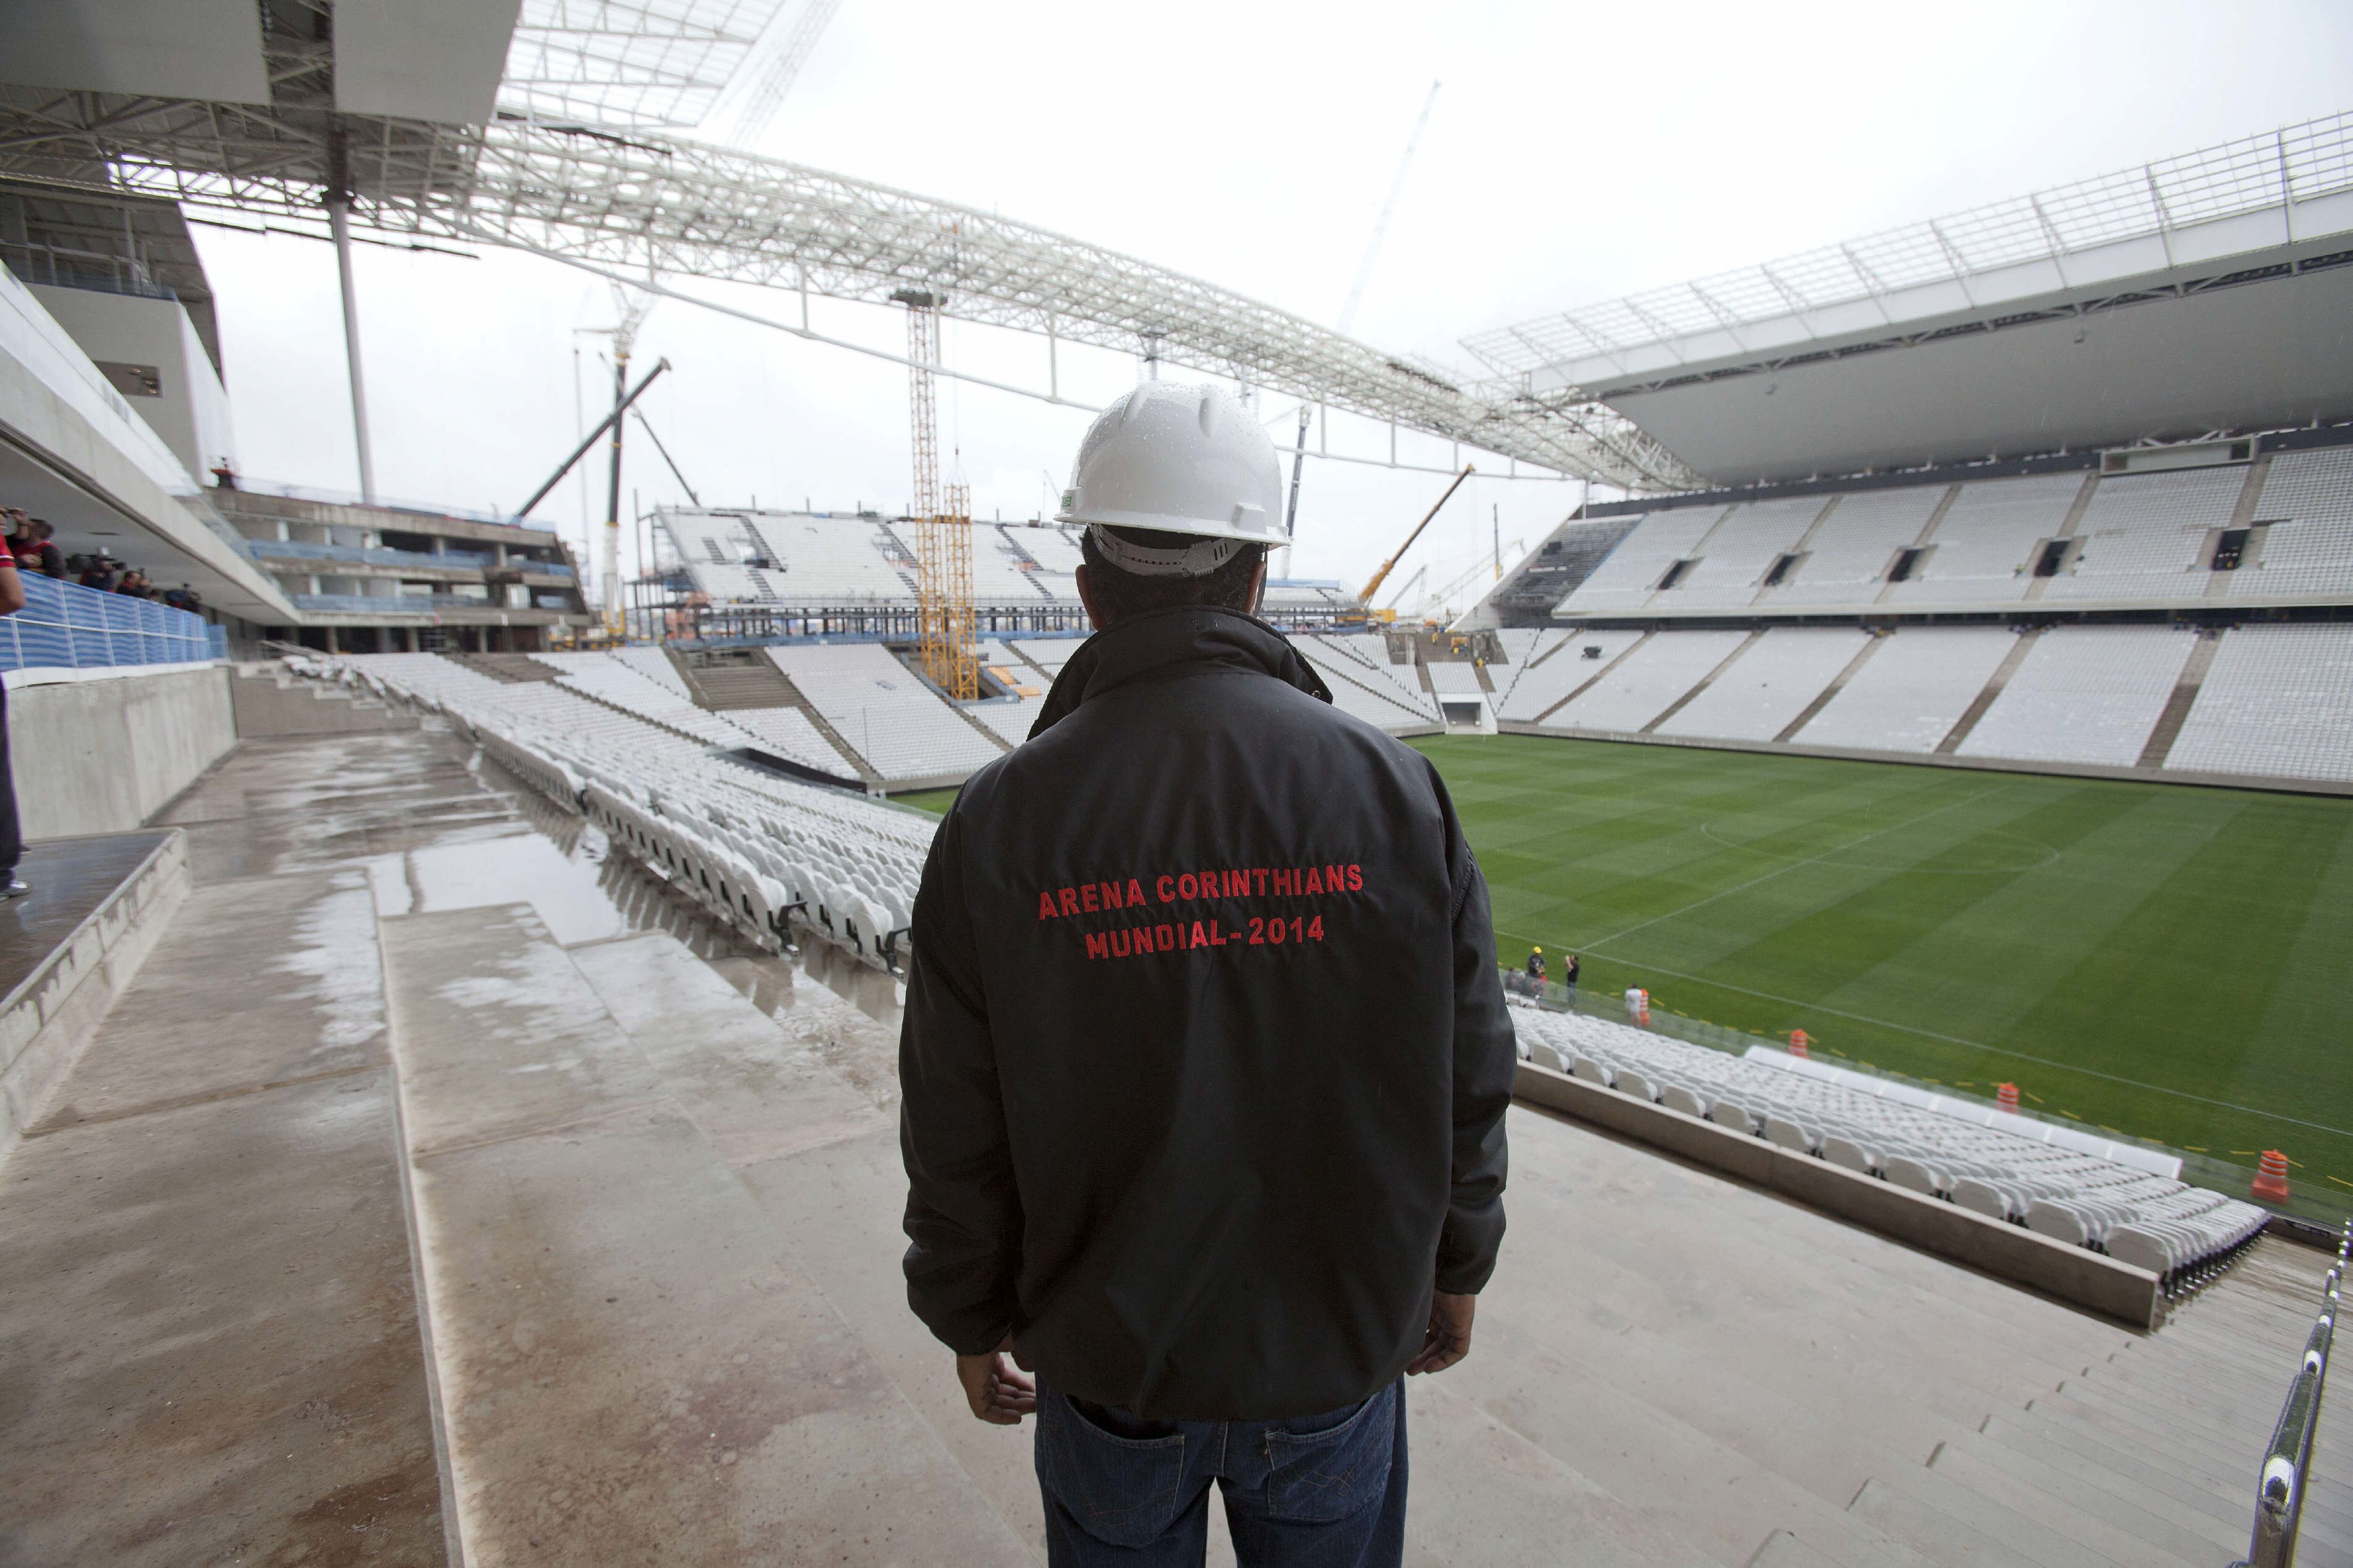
point(942, 532)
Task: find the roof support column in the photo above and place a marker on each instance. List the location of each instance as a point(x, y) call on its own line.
point(339, 223)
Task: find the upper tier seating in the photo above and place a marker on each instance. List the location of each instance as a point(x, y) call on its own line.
point(1628, 575)
point(1912, 690)
point(1644, 684)
point(2073, 538)
point(1982, 551)
point(2278, 701)
point(832, 561)
point(2084, 1192)
point(1735, 556)
point(2084, 694)
point(2144, 535)
point(1847, 556)
point(1558, 668)
point(1769, 684)
point(879, 707)
point(2308, 500)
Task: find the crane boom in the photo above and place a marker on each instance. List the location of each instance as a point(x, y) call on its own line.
point(1357, 295)
point(1390, 565)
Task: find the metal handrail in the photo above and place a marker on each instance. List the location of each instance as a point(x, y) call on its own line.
point(2279, 1496)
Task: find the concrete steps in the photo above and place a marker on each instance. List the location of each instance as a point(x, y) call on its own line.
point(754, 683)
point(267, 703)
point(2148, 1455)
point(2177, 707)
point(631, 1369)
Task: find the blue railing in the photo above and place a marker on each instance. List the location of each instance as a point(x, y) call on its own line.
point(66, 625)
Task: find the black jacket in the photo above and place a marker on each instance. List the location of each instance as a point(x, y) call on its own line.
point(1205, 1059)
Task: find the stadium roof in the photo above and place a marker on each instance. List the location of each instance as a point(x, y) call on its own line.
point(1993, 304)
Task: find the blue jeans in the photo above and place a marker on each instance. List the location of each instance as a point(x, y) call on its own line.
point(1312, 1491)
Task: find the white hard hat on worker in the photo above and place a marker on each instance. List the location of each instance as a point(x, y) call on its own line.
point(1176, 459)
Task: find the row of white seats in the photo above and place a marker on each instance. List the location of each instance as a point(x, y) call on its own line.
point(754, 848)
point(2142, 538)
point(2135, 1217)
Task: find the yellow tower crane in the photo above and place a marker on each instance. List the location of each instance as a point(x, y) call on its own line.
point(942, 532)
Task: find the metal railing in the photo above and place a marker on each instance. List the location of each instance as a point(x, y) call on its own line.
point(64, 625)
point(2279, 1494)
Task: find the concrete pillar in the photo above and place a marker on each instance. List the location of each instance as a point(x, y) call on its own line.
point(339, 227)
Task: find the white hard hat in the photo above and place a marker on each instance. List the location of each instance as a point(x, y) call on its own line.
point(1179, 459)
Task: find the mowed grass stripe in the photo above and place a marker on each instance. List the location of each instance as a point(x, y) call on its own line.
point(2121, 972)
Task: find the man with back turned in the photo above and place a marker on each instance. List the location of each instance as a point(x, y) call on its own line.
point(1206, 1058)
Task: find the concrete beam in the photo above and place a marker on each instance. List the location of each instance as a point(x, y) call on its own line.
point(2074, 1274)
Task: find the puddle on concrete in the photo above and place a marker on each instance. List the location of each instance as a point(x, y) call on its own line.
point(584, 891)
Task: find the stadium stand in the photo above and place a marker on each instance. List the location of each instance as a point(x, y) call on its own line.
point(1770, 685)
point(2087, 1192)
point(2083, 694)
point(1847, 557)
point(2305, 513)
point(1983, 547)
point(2276, 701)
point(1010, 722)
point(1912, 690)
point(1648, 680)
point(2144, 536)
point(747, 845)
point(904, 730)
point(1454, 679)
point(788, 732)
point(1048, 654)
point(1731, 561)
point(1364, 683)
point(1628, 575)
point(606, 679)
point(1555, 671)
point(823, 559)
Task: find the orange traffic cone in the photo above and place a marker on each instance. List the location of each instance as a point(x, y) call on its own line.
point(2271, 1180)
point(1798, 1043)
point(2005, 1096)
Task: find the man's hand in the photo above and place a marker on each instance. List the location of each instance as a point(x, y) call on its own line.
point(1001, 1396)
point(1448, 1339)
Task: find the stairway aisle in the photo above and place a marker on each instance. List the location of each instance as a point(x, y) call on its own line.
point(2147, 1455)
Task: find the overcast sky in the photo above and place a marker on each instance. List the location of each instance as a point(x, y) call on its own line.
point(1576, 152)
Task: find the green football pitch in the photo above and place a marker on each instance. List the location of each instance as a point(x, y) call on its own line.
point(2167, 960)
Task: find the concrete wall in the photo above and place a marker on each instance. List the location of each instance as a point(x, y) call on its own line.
point(191, 412)
point(100, 751)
